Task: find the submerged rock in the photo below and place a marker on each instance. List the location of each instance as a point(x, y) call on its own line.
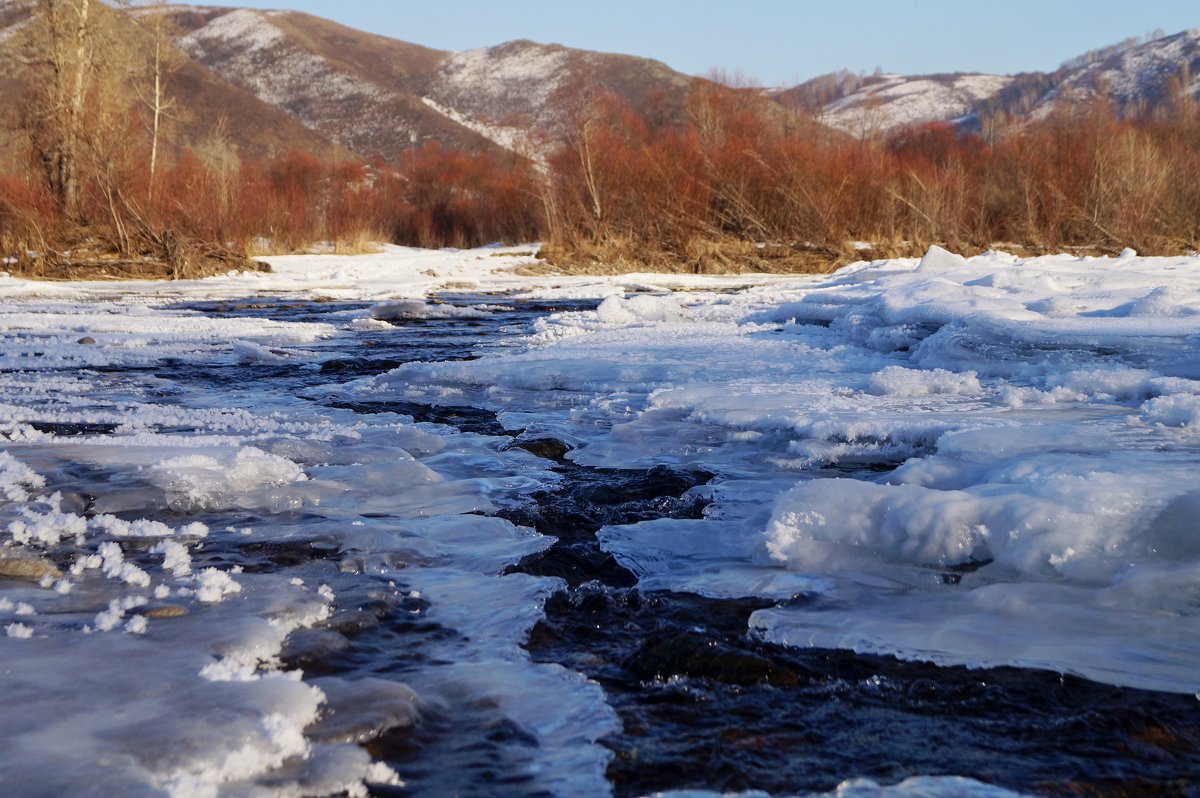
point(699, 657)
point(27, 569)
point(165, 611)
point(549, 448)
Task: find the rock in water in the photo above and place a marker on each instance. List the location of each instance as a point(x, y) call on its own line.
point(165, 611)
point(30, 570)
point(698, 657)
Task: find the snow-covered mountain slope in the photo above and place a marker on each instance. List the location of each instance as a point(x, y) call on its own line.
point(1145, 74)
point(1131, 76)
point(353, 88)
point(898, 101)
point(380, 95)
point(531, 85)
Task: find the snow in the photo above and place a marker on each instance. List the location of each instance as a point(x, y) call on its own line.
point(1130, 77)
point(242, 27)
point(898, 101)
point(1034, 422)
point(184, 685)
point(1140, 68)
point(397, 273)
point(411, 309)
point(980, 461)
point(518, 71)
point(514, 139)
point(247, 48)
point(256, 43)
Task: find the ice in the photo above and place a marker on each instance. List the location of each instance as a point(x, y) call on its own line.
point(1177, 410)
point(17, 479)
point(617, 310)
point(202, 481)
point(409, 309)
point(1014, 440)
point(142, 705)
point(185, 647)
point(918, 787)
point(357, 711)
point(19, 631)
point(900, 381)
point(979, 461)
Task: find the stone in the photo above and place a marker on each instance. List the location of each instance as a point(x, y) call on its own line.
point(165, 611)
point(549, 448)
point(27, 569)
point(698, 657)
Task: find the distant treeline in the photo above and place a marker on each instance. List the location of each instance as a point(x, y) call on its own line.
point(726, 180)
point(734, 178)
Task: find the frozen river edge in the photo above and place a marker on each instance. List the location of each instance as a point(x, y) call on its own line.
point(977, 462)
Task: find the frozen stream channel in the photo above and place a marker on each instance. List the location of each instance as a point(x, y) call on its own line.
point(414, 524)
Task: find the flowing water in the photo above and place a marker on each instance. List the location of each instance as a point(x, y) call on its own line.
point(505, 634)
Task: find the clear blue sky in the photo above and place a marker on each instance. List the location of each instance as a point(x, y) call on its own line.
point(777, 42)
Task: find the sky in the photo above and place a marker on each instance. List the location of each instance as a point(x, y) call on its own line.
point(777, 42)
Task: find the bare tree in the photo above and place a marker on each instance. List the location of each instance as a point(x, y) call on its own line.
point(76, 68)
point(163, 61)
point(63, 44)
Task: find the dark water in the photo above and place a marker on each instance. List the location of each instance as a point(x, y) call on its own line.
point(703, 703)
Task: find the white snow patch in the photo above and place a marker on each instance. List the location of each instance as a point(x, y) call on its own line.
point(900, 101)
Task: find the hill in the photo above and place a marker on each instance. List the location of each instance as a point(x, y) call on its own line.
point(1134, 76)
point(281, 80)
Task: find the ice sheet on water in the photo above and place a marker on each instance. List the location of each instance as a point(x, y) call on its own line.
point(1033, 420)
point(1017, 441)
point(415, 309)
point(188, 706)
point(183, 688)
point(561, 709)
point(918, 787)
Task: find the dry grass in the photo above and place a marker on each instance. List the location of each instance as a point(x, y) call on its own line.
point(698, 256)
point(262, 247)
point(362, 242)
point(95, 260)
point(706, 256)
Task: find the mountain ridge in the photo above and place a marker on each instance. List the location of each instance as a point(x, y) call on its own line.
point(285, 80)
point(1133, 75)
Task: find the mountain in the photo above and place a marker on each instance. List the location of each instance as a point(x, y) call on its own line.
point(277, 80)
point(380, 96)
point(1135, 75)
point(1132, 77)
point(208, 103)
point(270, 81)
point(886, 101)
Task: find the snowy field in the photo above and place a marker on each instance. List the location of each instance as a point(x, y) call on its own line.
point(980, 462)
